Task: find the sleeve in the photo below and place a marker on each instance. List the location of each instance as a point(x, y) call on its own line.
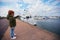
point(16, 17)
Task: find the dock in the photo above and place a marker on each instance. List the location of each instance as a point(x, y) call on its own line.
point(27, 31)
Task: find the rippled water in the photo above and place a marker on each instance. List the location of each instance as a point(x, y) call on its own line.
point(52, 25)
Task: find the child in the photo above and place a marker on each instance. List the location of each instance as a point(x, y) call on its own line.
point(12, 23)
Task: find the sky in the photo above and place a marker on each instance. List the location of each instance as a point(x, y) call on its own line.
point(30, 7)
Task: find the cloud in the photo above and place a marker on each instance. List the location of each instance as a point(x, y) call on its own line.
point(8, 5)
point(4, 10)
point(8, 1)
point(39, 8)
point(30, 1)
point(33, 7)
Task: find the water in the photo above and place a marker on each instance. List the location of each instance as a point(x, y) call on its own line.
point(52, 25)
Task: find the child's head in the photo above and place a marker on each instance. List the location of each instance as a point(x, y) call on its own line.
point(11, 12)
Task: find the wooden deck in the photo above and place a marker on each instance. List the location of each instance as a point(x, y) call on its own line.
point(26, 31)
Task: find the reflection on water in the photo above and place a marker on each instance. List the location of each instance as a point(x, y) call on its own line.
point(52, 25)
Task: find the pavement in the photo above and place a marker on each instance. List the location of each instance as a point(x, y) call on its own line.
point(26, 31)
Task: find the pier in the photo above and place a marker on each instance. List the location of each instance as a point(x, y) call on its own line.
point(27, 31)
